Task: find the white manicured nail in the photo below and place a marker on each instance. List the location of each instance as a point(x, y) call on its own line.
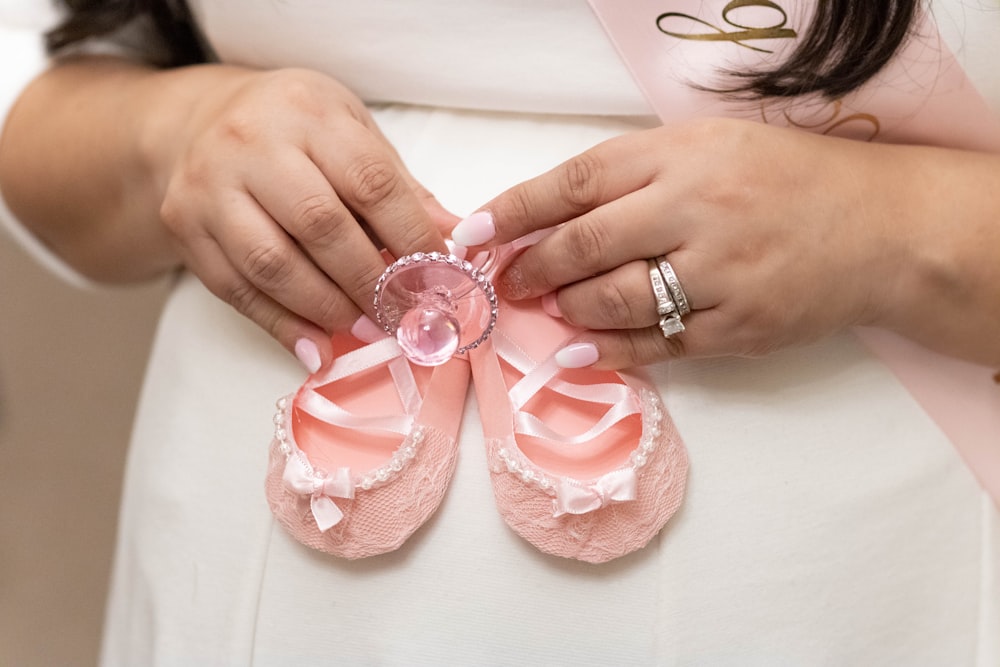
point(476, 229)
point(577, 355)
point(308, 354)
point(366, 330)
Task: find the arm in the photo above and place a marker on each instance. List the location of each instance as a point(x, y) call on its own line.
point(74, 168)
point(254, 180)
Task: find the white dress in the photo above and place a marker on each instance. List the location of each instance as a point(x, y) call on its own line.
point(827, 519)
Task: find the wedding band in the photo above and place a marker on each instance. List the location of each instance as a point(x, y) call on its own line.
point(673, 285)
point(664, 302)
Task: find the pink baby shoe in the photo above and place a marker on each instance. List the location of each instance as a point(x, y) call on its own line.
point(363, 452)
point(584, 464)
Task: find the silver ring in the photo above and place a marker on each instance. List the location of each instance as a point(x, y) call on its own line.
point(664, 302)
point(674, 285)
point(666, 306)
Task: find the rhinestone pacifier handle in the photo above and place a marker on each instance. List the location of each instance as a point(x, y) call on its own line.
point(436, 305)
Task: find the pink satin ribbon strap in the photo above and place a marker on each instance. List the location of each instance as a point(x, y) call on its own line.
point(622, 401)
point(324, 409)
point(357, 361)
point(544, 375)
point(526, 423)
point(399, 367)
point(536, 377)
point(383, 351)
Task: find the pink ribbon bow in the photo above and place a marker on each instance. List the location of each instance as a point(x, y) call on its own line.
point(575, 498)
point(321, 489)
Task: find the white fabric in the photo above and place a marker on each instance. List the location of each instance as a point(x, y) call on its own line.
point(968, 27)
point(518, 55)
point(827, 520)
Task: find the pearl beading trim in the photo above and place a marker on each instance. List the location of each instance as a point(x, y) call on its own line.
point(477, 277)
point(372, 479)
point(518, 464)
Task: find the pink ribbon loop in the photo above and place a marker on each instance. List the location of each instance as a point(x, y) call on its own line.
point(321, 489)
point(573, 497)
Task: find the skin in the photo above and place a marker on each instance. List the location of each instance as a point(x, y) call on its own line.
point(779, 237)
point(256, 181)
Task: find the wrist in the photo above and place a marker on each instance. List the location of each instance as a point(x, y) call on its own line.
point(942, 275)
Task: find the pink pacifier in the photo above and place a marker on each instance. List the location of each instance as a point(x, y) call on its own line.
point(436, 305)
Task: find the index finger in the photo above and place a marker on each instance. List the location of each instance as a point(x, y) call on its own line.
point(369, 178)
point(601, 174)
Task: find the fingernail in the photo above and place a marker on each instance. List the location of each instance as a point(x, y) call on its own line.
point(476, 229)
point(366, 330)
point(459, 251)
point(577, 355)
point(512, 284)
point(550, 304)
point(308, 354)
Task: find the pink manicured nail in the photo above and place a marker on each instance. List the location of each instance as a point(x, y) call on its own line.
point(476, 229)
point(366, 330)
point(550, 304)
point(308, 354)
point(577, 355)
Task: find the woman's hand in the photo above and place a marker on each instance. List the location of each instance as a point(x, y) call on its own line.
point(268, 185)
point(777, 236)
point(274, 186)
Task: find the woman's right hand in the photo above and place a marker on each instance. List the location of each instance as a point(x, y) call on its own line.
point(274, 183)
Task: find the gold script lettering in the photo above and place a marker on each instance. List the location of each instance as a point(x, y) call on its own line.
point(738, 36)
point(867, 126)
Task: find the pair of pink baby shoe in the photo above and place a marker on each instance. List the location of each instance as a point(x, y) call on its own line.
point(584, 464)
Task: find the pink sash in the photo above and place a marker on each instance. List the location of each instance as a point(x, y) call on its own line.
point(671, 44)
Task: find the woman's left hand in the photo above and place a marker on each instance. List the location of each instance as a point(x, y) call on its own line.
point(777, 236)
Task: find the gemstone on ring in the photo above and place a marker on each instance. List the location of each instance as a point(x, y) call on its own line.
point(670, 325)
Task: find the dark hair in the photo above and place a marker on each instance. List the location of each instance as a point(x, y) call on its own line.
point(848, 42)
point(94, 18)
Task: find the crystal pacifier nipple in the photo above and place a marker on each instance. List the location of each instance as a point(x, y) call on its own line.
point(436, 305)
